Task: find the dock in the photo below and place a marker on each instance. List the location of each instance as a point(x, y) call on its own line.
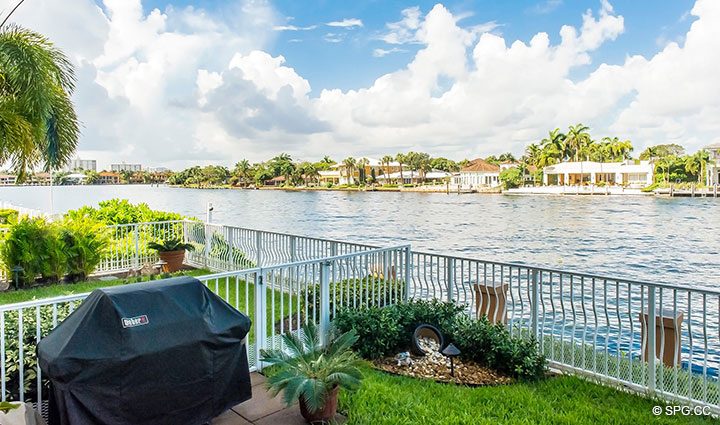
point(692, 192)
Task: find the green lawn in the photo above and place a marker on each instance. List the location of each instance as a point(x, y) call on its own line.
point(389, 399)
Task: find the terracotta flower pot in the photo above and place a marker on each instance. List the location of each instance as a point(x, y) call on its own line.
point(174, 260)
point(326, 413)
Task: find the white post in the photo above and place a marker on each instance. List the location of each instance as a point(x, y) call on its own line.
point(258, 248)
point(136, 237)
point(450, 275)
point(324, 301)
point(408, 272)
point(534, 312)
point(52, 203)
point(650, 328)
point(260, 312)
point(209, 212)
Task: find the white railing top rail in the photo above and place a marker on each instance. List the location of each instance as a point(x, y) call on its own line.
point(221, 275)
point(43, 302)
point(695, 288)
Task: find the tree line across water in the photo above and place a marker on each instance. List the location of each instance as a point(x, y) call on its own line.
point(672, 164)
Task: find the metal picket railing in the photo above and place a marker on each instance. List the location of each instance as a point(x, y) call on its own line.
point(587, 324)
point(592, 325)
point(278, 299)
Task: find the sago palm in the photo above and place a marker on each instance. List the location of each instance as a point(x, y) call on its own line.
point(38, 124)
point(309, 371)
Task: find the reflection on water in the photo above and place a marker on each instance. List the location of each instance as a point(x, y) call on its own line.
point(648, 238)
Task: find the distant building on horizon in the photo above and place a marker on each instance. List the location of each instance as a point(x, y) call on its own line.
point(478, 173)
point(81, 164)
point(713, 166)
point(125, 167)
point(627, 173)
point(158, 169)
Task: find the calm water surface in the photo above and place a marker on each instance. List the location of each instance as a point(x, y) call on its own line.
point(648, 238)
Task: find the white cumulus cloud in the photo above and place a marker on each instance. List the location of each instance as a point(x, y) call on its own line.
point(183, 86)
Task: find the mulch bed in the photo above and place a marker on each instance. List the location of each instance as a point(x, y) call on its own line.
point(437, 369)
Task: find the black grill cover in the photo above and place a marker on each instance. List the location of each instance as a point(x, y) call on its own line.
point(161, 352)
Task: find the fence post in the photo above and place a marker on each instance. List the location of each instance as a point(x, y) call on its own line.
point(231, 248)
point(651, 328)
point(260, 317)
point(293, 248)
point(258, 248)
point(333, 249)
point(208, 242)
point(324, 301)
point(450, 278)
point(534, 311)
point(408, 272)
point(136, 237)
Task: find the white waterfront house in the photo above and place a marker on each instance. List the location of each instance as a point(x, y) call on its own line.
point(634, 174)
point(713, 166)
point(478, 173)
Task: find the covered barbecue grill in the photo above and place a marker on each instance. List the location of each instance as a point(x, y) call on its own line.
point(155, 353)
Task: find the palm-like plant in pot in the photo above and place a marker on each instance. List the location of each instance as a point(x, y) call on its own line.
point(313, 374)
point(172, 251)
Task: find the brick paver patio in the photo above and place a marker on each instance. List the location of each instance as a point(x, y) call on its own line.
point(262, 409)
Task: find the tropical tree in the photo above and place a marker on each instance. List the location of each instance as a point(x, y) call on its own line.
point(361, 164)
point(444, 164)
point(662, 151)
point(38, 123)
point(401, 159)
point(386, 161)
point(242, 172)
point(553, 148)
point(577, 141)
point(349, 164)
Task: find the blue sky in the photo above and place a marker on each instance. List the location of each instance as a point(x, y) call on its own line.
point(204, 81)
point(350, 64)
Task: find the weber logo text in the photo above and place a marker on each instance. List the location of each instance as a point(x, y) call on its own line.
point(135, 321)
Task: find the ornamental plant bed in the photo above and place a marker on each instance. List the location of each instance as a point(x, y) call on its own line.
point(429, 367)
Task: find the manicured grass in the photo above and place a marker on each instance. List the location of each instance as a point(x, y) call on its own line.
point(57, 290)
point(389, 399)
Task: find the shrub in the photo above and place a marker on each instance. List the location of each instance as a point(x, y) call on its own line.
point(378, 330)
point(121, 211)
point(27, 244)
point(8, 215)
point(492, 345)
point(85, 242)
point(387, 331)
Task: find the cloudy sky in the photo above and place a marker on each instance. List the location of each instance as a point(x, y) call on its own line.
point(174, 82)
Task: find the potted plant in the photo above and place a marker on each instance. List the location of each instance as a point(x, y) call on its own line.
point(172, 251)
point(313, 374)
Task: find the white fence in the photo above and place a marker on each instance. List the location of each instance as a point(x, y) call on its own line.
point(278, 299)
point(587, 324)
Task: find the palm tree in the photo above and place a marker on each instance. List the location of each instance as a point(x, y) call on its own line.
point(349, 164)
point(401, 158)
point(386, 160)
point(361, 166)
point(38, 123)
point(553, 148)
point(577, 140)
point(242, 171)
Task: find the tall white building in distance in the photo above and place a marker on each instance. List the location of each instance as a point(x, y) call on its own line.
point(81, 164)
point(125, 167)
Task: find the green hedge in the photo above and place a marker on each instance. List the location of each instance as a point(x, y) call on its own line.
point(121, 211)
point(48, 252)
point(387, 331)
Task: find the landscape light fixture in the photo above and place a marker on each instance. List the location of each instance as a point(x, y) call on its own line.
point(451, 351)
point(16, 276)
